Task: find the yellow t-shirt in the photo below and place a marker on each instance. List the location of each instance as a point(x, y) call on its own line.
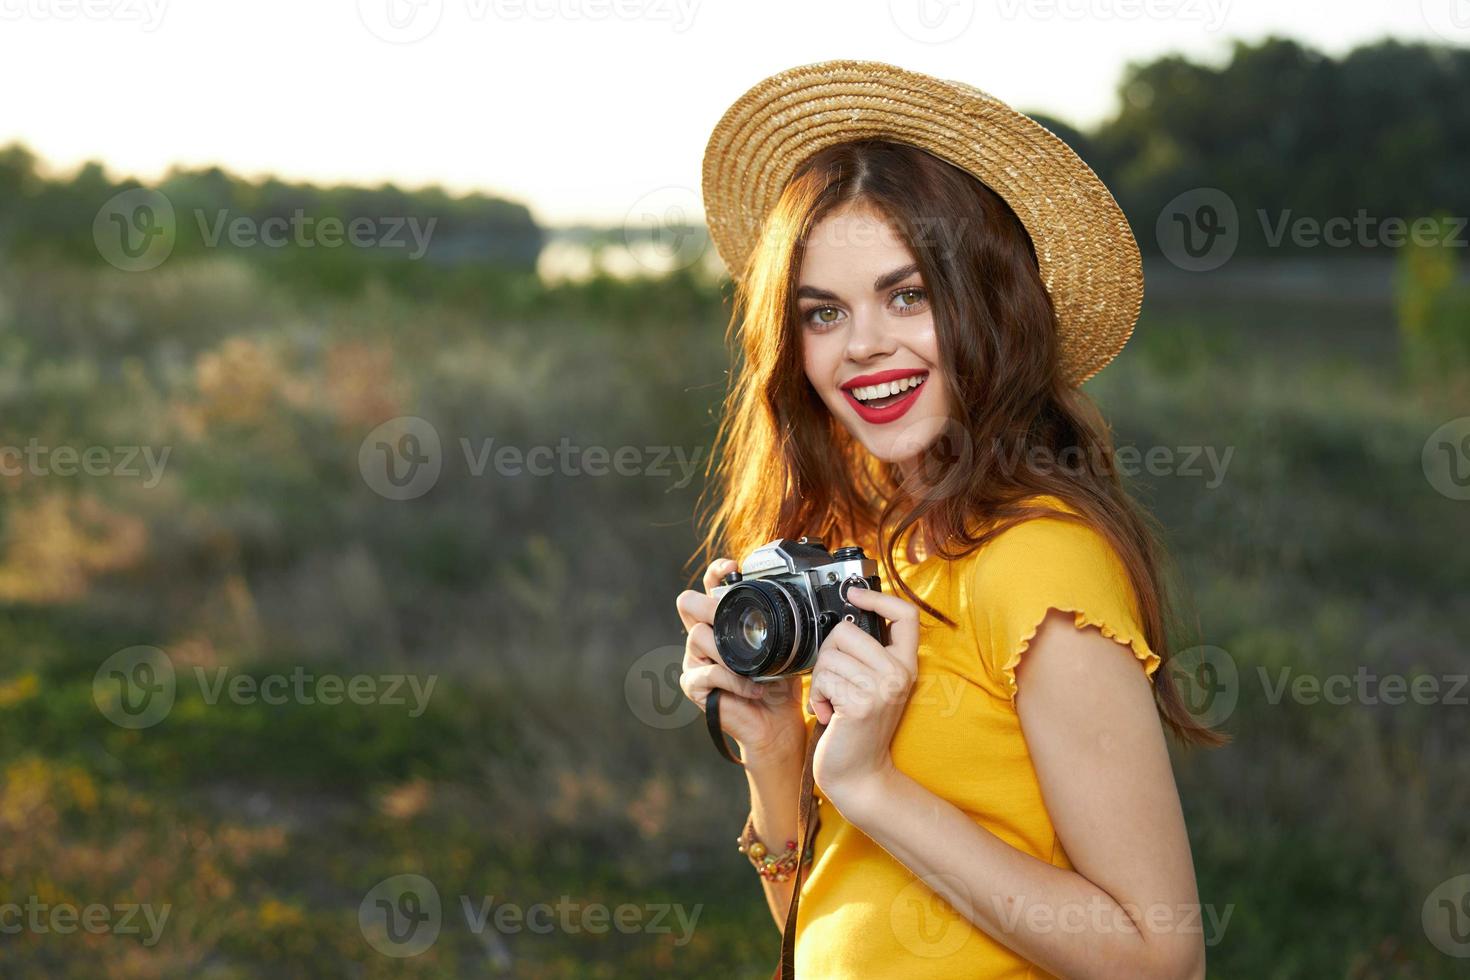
point(864, 914)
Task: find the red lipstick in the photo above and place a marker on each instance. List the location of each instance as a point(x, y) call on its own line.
point(888, 413)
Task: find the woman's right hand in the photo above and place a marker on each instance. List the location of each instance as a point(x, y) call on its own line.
point(764, 718)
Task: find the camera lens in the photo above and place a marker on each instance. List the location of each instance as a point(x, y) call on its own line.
point(757, 628)
point(753, 627)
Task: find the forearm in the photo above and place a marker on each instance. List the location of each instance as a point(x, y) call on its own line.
point(775, 788)
point(1052, 916)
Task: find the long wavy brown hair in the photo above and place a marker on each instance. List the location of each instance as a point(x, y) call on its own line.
point(784, 466)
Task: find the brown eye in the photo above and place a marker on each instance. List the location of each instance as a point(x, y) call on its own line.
point(918, 295)
point(822, 315)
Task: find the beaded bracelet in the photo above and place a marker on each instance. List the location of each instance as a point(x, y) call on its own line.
point(772, 867)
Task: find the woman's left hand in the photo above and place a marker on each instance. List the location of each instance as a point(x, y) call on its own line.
point(859, 688)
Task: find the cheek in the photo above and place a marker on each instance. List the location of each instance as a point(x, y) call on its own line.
point(819, 360)
point(926, 341)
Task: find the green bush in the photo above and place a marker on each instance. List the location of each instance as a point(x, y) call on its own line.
point(1433, 304)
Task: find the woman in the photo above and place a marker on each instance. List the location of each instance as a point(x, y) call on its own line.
point(924, 278)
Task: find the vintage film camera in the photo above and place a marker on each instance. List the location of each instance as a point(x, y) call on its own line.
point(775, 612)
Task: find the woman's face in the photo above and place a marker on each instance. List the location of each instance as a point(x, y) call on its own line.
point(868, 339)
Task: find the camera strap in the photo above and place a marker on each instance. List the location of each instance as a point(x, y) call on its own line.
point(712, 722)
point(806, 827)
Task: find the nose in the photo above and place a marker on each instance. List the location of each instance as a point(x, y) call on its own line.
point(868, 338)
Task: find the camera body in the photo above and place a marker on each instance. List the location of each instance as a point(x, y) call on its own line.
point(788, 596)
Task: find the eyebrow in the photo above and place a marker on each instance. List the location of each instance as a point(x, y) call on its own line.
point(881, 283)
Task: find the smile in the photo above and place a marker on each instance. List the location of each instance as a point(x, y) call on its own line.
point(886, 396)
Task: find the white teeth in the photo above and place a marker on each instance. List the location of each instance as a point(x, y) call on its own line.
point(869, 392)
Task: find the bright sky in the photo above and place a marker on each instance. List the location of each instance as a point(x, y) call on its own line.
point(580, 108)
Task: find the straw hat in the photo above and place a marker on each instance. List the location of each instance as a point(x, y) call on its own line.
point(1085, 249)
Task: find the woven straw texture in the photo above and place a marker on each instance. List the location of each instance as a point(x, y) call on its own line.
point(1086, 252)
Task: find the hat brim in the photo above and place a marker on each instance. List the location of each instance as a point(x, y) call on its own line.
point(1085, 250)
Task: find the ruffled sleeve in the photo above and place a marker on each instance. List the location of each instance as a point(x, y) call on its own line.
point(1043, 564)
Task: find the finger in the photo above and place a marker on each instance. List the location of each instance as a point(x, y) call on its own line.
point(850, 639)
point(695, 607)
point(717, 571)
point(819, 703)
point(697, 682)
point(776, 693)
point(699, 648)
point(833, 692)
point(844, 665)
point(844, 680)
point(902, 615)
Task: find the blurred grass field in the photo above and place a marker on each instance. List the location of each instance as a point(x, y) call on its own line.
point(262, 549)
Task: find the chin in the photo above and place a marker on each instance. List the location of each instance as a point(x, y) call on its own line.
point(907, 439)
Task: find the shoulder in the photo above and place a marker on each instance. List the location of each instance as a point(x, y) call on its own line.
point(1040, 564)
point(1059, 551)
